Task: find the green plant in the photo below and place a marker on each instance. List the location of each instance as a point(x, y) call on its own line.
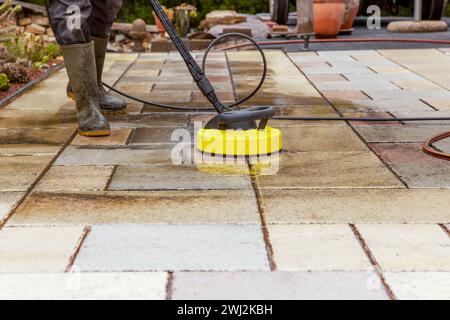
point(4, 82)
point(52, 51)
point(30, 47)
point(7, 28)
point(15, 72)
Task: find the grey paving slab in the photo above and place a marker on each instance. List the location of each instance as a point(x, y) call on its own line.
point(419, 285)
point(175, 177)
point(232, 206)
point(84, 286)
point(37, 249)
point(173, 247)
point(407, 133)
point(88, 156)
point(277, 286)
point(408, 247)
point(424, 175)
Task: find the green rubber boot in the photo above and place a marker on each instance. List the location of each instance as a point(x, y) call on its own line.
point(80, 65)
point(109, 104)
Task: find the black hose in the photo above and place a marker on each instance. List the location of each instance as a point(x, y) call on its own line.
point(360, 119)
point(205, 57)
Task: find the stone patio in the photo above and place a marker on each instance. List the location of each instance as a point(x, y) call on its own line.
point(351, 210)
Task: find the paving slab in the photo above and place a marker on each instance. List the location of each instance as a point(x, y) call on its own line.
point(173, 247)
point(233, 206)
point(382, 94)
point(7, 202)
point(419, 285)
point(316, 248)
point(84, 286)
point(356, 206)
point(418, 61)
point(402, 247)
point(439, 104)
point(403, 153)
point(126, 155)
point(175, 177)
point(161, 119)
point(424, 175)
point(388, 105)
point(75, 178)
point(311, 170)
point(407, 133)
point(53, 136)
point(159, 135)
point(117, 137)
point(17, 173)
point(277, 286)
point(25, 118)
point(37, 249)
point(24, 149)
point(320, 138)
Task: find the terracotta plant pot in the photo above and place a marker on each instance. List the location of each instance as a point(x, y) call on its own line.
point(159, 25)
point(328, 17)
point(351, 10)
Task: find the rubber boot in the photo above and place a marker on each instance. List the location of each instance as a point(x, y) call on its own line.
point(109, 104)
point(80, 65)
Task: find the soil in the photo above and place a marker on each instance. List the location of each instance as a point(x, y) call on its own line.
point(32, 75)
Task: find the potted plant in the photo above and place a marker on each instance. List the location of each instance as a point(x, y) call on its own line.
point(183, 15)
point(351, 11)
point(159, 25)
point(328, 17)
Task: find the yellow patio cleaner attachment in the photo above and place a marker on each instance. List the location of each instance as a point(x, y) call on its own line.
point(235, 133)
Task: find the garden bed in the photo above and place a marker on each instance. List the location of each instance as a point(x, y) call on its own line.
point(35, 75)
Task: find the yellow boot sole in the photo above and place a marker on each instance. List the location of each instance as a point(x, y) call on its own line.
point(71, 95)
point(93, 134)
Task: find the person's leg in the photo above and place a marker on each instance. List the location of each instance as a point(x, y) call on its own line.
point(104, 12)
point(70, 23)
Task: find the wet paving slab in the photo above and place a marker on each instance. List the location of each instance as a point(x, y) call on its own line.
point(131, 207)
point(311, 170)
point(48, 136)
point(176, 177)
point(406, 133)
point(356, 206)
point(18, 173)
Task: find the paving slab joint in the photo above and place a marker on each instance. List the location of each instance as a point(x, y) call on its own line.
point(264, 228)
point(373, 261)
point(169, 286)
point(77, 249)
point(445, 228)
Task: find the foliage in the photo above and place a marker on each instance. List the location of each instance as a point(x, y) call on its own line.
point(4, 82)
point(15, 73)
point(29, 47)
point(7, 28)
point(52, 51)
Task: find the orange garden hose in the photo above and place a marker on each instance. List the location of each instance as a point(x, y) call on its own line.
point(429, 149)
point(428, 145)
